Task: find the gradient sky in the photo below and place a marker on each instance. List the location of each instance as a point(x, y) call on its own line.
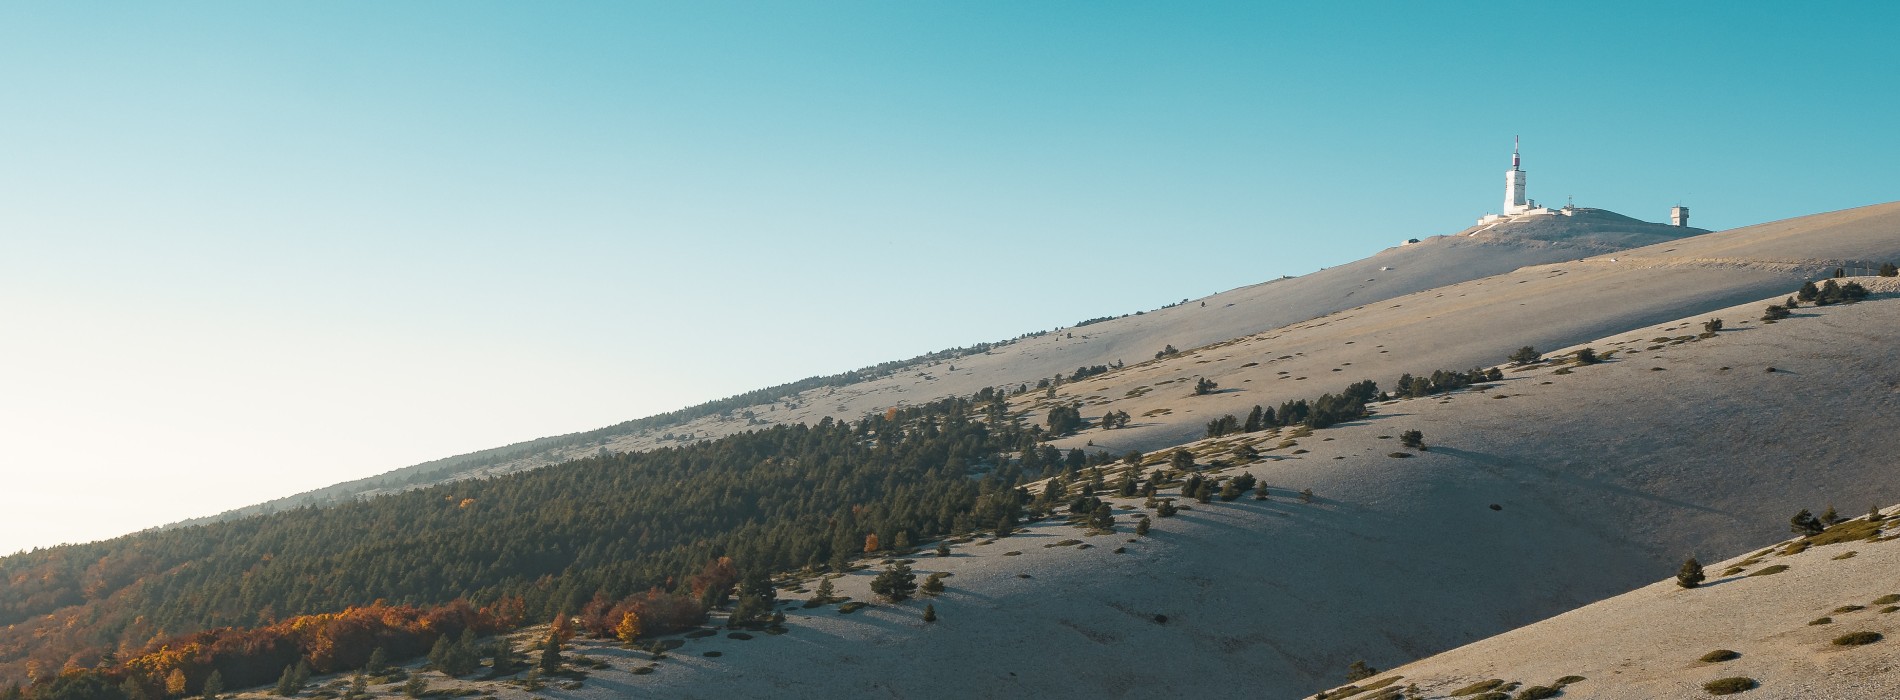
point(249, 249)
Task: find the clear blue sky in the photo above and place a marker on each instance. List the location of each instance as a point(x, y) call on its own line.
point(248, 249)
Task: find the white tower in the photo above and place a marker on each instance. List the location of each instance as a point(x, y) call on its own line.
point(1679, 216)
point(1514, 201)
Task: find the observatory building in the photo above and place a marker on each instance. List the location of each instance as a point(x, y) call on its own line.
point(1516, 202)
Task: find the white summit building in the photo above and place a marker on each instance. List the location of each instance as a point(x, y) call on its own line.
point(1516, 203)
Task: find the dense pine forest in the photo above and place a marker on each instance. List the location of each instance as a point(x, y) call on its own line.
point(666, 525)
point(664, 536)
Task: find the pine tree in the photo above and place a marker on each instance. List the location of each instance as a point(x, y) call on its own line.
point(1255, 421)
point(1306, 495)
point(1690, 575)
point(415, 687)
point(1829, 517)
point(440, 654)
point(901, 543)
point(301, 677)
point(933, 585)
point(359, 687)
point(214, 684)
point(896, 583)
point(1525, 355)
point(378, 662)
point(551, 655)
point(1412, 439)
point(133, 691)
point(287, 683)
point(1359, 671)
point(1142, 526)
point(1182, 460)
point(1005, 525)
point(825, 592)
point(1166, 509)
point(532, 681)
point(930, 613)
point(1804, 523)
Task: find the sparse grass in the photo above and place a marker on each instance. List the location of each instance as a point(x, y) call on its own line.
point(1730, 686)
point(1776, 569)
point(1567, 680)
point(1012, 554)
point(1821, 621)
point(1478, 687)
point(1888, 609)
point(1733, 570)
point(1849, 609)
point(1849, 554)
point(852, 607)
point(1064, 543)
point(1850, 531)
point(1854, 639)
point(1537, 692)
point(1719, 656)
point(1888, 599)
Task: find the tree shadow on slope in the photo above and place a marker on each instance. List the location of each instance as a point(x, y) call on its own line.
point(1503, 467)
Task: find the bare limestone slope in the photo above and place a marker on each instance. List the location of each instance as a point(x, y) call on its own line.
point(1794, 625)
point(1558, 486)
point(1433, 262)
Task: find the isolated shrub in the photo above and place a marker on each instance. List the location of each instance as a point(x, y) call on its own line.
point(1204, 386)
point(1821, 621)
point(1167, 509)
point(1359, 671)
point(1712, 325)
point(1729, 686)
point(1690, 575)
point(1182, 460)
point(1887, 599)
point(1587, 356)
point(930, 613)
point(1525, 355)
point(1537, 692)
point(1775, 312)
point(1412, 439)
point(1719, 656)
point(1306, 495)
point(1804, 523)
point(1854, 639)
point(1142, 526)
point(933, 585)
point(1808, 292)
point(1889, 270)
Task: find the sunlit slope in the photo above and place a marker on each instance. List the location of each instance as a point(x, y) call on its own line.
point(1546, 491)
point(1795, 625)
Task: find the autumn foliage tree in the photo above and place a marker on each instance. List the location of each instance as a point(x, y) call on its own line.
point(629, 627)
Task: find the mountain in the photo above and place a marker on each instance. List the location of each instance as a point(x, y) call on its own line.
point(1433, 262)
point(1541, 488)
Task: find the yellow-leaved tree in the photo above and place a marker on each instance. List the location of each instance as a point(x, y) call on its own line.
point(629, 627)
point(175, 683)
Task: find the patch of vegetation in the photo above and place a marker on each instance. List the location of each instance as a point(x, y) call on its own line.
point(1478, 687)
point(1776, 569)
point(1063, 543)
point(1887, 599)
point(1849, 609)
point(1821, 621)
point(1537, 692)
point(1567, 680)
point(1399, 455)
point(852, 607)
point(1730, 686)
point(1719, 656)
point(1854, 639)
